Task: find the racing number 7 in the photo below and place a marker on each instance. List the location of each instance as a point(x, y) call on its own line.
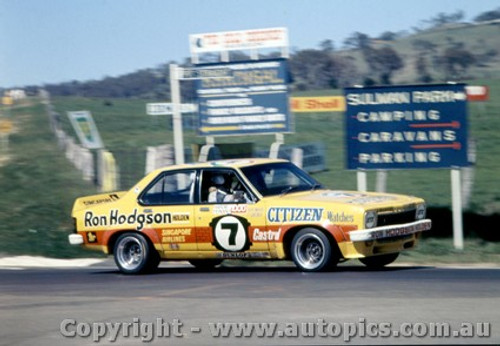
point(233, 230)
point(237, 239)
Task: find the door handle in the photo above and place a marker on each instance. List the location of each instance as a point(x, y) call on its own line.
point(204, 209)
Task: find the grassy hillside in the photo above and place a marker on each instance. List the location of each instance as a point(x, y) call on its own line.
point(477, 39)
point(38, 187)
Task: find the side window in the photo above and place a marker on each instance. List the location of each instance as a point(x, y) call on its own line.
point(223, 186)
point(170, 188)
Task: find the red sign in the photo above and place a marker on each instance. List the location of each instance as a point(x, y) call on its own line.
point(477, 93)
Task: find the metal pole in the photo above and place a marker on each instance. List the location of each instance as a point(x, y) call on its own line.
point(176, 117)
point(456, 200)
point(361, 180)
point(381, 184)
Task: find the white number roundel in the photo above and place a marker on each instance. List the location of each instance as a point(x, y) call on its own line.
point(230, 233)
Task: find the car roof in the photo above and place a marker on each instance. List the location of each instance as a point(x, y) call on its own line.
point(229, 163)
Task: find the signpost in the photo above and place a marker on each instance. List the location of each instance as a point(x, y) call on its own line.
point(252, 99)
point(409, 127)
point(86, 130)
point(238, 40)
point(245, 106)
point(168, 108)
point(406, 127)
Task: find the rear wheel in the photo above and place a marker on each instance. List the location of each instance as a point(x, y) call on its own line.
point(381, 261)
point(205, 264)
point(134, 254)
point(311, 251)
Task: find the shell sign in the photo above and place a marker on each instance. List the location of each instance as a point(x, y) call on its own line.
point(318, 104)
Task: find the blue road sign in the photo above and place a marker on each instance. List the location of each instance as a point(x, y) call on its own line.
point(404, 127)
point(250, 98)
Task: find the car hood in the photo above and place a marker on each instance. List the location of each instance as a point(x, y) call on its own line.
point(364, 200)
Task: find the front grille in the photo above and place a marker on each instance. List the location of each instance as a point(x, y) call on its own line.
point(396, 218)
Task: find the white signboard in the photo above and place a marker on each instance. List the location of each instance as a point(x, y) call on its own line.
point(85, 128)
point(168, 108)
point(238, 40)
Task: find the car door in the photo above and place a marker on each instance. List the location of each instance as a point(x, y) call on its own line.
point(229, 219)
point(168, 202)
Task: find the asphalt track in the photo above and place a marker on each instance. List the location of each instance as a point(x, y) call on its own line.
point(37, 306)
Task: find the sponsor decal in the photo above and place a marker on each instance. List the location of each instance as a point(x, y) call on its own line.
point(176, 235)
point(180, 217)
point(224, 209)
point(372, 199)
point(244, 255)
point(268, 235)
point(140, 220)
point(286, 214)
point(389, 232)
point(340, 217)
point(230, 162)
point(340, 194)
point(230, 233)
point(91, 237)
point(256, 212)
point(110, 198)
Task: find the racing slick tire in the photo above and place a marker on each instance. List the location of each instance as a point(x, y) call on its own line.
point(205, 264)
point(134, 254)
point(311, 250)
point(377, 262)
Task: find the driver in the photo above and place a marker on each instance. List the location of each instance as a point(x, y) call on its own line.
point(219, 193)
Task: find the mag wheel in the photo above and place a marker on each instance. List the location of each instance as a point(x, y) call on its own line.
point(376, 262)
point(134, 254)
point(311, 250)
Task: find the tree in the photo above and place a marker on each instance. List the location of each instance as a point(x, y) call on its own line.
point(487, 16)
point(423, 46)
point(313, 68)
point(357, 40)
point(446, 18)
point(384, 62)
point(388, 36)
point(422, 71)
point(456, 61)
point(327, 46)
point(317, 69)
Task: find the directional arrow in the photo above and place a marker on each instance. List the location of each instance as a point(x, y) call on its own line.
point(454, 124)
point(454, 145)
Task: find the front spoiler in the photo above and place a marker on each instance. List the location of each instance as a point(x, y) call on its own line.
point(390, 231)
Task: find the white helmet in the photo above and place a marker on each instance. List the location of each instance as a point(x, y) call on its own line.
point(218, 179)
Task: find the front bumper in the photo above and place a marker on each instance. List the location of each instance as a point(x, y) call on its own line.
point(75, 239)
point(392, 231)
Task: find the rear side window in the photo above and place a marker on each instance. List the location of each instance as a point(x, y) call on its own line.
point(170, 188)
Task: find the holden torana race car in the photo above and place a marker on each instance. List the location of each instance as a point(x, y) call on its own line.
point(245, 209)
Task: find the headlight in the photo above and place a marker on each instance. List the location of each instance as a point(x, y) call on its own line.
point(420, 212)
point(370, 219)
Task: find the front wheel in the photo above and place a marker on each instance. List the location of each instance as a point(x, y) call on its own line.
point(311, 250)
point(134, 254)
point(377, 262)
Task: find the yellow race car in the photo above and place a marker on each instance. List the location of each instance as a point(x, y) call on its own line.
point(245, 209)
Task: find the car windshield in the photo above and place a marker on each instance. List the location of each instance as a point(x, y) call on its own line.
point(279, 178)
